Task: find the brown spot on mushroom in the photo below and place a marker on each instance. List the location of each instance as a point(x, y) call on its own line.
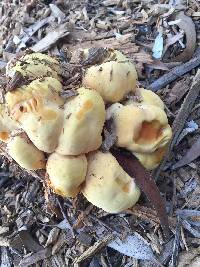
point(123, 185)
point(4, 136)
point(126, 188)
point(86, 107)
point(21, 108)
point(39, 165)
point(111, 74)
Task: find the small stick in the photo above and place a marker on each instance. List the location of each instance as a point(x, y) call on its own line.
point(176, 244)
point(65, 216)
point(175, 73)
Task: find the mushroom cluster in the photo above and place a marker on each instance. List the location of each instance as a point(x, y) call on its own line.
point(43, 130)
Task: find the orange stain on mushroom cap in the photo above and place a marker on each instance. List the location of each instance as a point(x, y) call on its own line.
point(4, 136)
point(86, 107)
point(149, 132)
point(39, 165)
point(36, 106)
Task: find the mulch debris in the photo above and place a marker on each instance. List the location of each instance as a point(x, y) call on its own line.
point(162, 38)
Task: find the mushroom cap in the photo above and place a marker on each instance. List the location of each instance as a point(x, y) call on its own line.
point(43, 128)
point(7, 125)
point(84, 117)
point(113, 79)
point(147, 97)
point(151, 160)
point(107, 185)
point(33, 66)
point(25, 153)
point(47, 89)
point(38, 109)
point(142, 128)
point(66, 173)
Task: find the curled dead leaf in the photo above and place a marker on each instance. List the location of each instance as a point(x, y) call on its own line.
point(192, 154)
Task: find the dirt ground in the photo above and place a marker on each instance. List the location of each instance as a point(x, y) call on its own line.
point(162, 38)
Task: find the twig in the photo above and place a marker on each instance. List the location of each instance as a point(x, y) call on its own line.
point(65, 216)
point(175, 73)
point(181, 118)
point(93, 249)
point(176, 244)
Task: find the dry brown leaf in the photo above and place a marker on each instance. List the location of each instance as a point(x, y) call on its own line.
point(192, 154)
point(178, 91)
point(187, 25)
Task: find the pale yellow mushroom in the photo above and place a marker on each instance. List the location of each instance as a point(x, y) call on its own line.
point(84, 117)
point(140, 128)
point(33, 66)
point(113, 79)
point(66, 173)
point(7, 125)
point(25, 153)
point(47, 89)
point(151, 160)
point(38, 109)
point(107, 185)
point(146, 97)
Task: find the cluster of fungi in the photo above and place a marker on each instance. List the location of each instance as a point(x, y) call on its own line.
point(44, 130)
